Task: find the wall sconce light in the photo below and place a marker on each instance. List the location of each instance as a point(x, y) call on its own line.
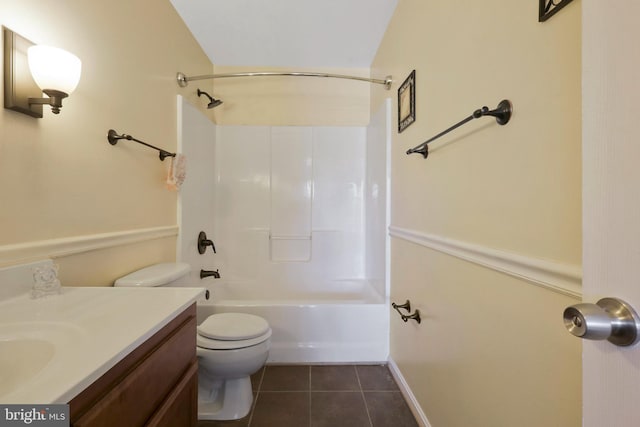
point(30, 70)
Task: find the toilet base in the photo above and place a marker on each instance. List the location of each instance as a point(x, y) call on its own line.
point(226, 400)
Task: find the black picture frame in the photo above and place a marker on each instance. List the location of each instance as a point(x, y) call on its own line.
point(548, 8)
point(407, 102)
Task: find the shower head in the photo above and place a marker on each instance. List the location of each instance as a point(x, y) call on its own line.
point(212, 101)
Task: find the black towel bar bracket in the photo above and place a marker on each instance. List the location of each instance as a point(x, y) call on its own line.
point(113, 139)
point(502, 113)
point(406, 306)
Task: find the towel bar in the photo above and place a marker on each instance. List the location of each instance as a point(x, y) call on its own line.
point(502, 113)
point(113, 139)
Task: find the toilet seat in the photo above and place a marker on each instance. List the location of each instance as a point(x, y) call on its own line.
point(227, 331)
point(210, 344)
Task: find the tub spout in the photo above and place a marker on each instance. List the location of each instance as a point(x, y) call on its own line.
point(209, 273)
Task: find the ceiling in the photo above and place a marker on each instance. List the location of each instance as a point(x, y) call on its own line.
point(288, 33)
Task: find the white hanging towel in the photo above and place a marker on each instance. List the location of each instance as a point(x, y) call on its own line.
point(177, 172)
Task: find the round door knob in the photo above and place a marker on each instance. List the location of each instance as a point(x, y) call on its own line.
point(610, 318)
point(577, 321)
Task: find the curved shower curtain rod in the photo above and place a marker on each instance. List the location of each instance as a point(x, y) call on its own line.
point(183, 80)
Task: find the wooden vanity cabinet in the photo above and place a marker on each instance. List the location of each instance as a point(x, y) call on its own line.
point(155, 385)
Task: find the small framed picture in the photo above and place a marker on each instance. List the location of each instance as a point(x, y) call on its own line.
point(407, 102)
point(548, 8)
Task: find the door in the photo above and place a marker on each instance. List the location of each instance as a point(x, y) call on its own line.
point(611, 200)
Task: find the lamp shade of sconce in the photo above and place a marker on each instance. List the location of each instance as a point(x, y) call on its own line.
point(31, 69)
point(54, 68)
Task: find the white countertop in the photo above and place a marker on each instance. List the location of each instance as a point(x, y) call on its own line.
point(88, 331)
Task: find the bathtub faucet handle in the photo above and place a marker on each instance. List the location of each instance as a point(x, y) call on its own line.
point(209, 273)
point(203, 242)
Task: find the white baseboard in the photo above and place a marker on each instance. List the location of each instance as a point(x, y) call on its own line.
point(411, 400)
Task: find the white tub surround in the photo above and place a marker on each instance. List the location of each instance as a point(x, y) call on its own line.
point(299, 217)
point(291, 192)
point(71, 339)
point(292, 211)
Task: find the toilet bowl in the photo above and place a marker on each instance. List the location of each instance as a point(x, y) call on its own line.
point(230, 347)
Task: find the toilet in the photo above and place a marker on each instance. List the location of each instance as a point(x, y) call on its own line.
point(230, 347)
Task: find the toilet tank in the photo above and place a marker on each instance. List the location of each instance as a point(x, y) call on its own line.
point(154, 275)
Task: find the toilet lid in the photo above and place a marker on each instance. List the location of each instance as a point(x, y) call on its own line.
point(154, 275)
point(233, 327)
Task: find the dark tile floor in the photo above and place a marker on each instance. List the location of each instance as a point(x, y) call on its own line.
point(324, 396)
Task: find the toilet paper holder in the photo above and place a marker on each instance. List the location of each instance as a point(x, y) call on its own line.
point(610, 318)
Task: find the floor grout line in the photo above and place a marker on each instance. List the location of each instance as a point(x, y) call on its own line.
point(366, 407)
point(309, 395)
point(255, 400)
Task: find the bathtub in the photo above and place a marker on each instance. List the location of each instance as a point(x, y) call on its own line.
point(338, 322)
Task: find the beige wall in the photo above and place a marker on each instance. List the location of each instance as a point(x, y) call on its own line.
point(491, 350)
point(481, 357)
point(59, 178)
point(292, 101)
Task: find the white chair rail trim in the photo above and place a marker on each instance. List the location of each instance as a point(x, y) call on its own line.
point(55, 248)
point(562, 278)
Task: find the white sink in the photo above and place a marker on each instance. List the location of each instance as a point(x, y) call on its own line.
point(21, 360)
point(27, 348)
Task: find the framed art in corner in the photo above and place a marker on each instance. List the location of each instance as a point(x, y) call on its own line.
point(407, 102)
point(548, 8)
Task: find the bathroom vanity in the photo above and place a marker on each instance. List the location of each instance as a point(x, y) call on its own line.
point(117, 356)
point(155, 385)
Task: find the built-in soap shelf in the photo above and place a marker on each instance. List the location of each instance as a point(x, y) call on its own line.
point(296, 248)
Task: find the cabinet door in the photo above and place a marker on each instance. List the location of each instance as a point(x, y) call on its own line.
point(181, 406)
point(136, 394)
